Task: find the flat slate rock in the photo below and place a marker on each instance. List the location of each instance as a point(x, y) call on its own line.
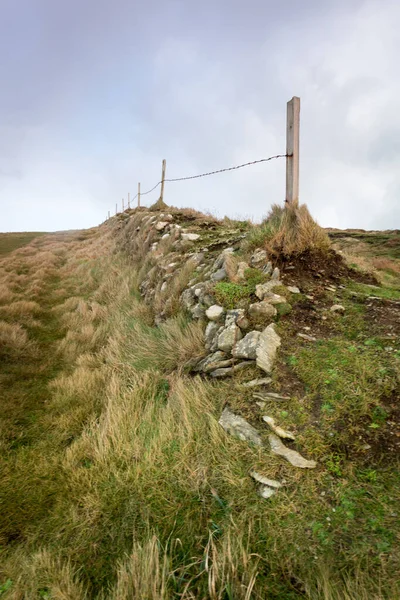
point(268, 345)
point(295, 459)
point(247, 347)
point(282, 433)
point(257, 382)
point(238, 427)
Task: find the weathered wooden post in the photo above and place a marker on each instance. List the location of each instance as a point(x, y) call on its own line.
point(129, 200)
point(164, 165)
point(116, 208)
point(108, 214)
point(138, 195)
point(292, 151)
point(123, 205)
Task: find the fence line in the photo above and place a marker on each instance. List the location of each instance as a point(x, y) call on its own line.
point(175, 179)
point(292, 162)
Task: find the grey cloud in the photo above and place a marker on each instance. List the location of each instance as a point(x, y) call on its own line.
point(95, 94)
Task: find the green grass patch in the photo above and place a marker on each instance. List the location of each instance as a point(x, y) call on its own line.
point(12, 241)
point(347, 380)
point(373, 290)
point(232, 295)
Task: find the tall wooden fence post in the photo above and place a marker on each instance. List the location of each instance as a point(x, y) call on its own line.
point(116, 209)
point(129, 200)
point(292, 151)
point(122, 205)
point(138, 195)
point(108, 214)
point(164, 165)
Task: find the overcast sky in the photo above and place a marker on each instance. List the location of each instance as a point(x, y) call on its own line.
point(95, 93)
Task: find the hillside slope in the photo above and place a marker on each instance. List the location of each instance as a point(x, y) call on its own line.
point(117, 479)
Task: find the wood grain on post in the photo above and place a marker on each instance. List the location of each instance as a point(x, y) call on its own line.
point(138, 195)
point(164, 164)
point(292, 150)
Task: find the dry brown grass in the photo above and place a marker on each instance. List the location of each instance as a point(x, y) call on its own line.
point(20, 310)
point(168, 302)
point(131, 488)
point(386, 264)
point(6, 295)
point(294, 231)
point(14, 342)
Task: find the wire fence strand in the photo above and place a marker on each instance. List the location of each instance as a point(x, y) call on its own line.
point(171, 180)
point(254, 162)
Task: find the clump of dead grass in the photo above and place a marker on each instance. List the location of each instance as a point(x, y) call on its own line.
point(289, 231)
point(14, 342)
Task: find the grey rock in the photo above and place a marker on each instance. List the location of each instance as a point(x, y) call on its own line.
point(190, 237)
point(230, 370)
point(228, 337)
point(242, 267)
point(219, 261)
point(295, 459)
point(268, 396)
point(161, 225)
point(257, 382)
point(269, 343)
point(265, 480)
point(198, 288)
point(197, 258)
point(266, 492)
point(214, 343)
point(234, 315)
point(163, 287)
point(293, 289)
point(282, 433)
point(263, 289)
point(219, 275)
point(337, 308)
point(198, 312)
point(274, 299)
point(239, 427)
point(262, 309)
point(211, 359)
point(188, 299)
point(207, 300)
point(210, 333)
point(247, 347)
point(307, 337)
point(219, 365)
point(275, 274)
point(267, 270)
point(258, 258)
point(243, 322)
point(215, 312)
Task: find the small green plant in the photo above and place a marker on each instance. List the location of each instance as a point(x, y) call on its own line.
point(369, 475)
point(254, 277)
point(333, 464)
point(4, 587)
point(231, 294)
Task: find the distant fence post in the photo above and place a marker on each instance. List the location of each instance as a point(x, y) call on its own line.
point(116, 209)
point(108, 214)
point(138, 195)
point(292, 150)
point(122, 205)
point(129, 200)
point(164, 165)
